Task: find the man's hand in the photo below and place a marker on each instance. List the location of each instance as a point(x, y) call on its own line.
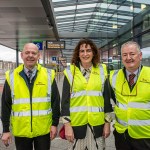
point(6, 138)
point(53, 132)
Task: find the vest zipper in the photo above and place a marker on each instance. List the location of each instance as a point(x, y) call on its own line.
point(30, 90)
point(31, 109)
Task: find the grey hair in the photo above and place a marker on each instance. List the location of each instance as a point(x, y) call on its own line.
point(131, 43)
point(30, 44)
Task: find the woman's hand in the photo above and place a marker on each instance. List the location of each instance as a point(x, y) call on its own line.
point(106, 130)
point(69, 132)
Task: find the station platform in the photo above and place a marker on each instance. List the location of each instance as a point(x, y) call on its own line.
point(58, 143)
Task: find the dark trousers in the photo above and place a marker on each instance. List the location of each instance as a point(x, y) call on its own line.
point(125, 142)
point(40, 143)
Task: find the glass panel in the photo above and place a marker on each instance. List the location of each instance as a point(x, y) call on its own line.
point(64, 8)
point(146, 49)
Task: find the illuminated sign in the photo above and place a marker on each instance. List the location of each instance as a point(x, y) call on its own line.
point(55, 44)
point(54, 58)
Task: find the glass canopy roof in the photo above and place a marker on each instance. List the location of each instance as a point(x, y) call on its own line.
point(96, 19)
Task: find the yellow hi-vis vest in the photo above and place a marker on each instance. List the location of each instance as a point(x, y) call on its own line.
point(31, 120)
point(86, 101)
point(132, 108)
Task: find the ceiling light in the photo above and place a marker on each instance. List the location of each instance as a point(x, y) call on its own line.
point(131, 7)
point(143, 6)
point(114, 26)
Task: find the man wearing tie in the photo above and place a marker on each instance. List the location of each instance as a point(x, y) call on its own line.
point(31, 100)
point(131, 93)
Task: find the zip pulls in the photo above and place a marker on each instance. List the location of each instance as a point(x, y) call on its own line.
point(30, 89)
point(30, 83)
point(30, 86)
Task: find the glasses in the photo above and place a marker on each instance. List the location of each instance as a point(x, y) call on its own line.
point(87, 51)
point(125, 93)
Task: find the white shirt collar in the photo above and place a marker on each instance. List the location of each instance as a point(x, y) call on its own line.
point(33, 70)
point(128, 73)
point(82, 69)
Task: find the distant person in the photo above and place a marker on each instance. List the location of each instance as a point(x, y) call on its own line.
point(111, 67)
point(85, 99)
point(30, 99)
point(131, 93)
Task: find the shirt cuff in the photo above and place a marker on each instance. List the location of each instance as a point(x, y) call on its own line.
point(108, 117)
point(65, 119)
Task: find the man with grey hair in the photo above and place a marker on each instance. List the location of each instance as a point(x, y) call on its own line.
point(31, 99)
point(131, 93)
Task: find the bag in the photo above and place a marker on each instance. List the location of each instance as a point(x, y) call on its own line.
point(62, 132)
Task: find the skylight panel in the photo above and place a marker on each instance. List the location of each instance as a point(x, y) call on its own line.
point(64, 16)
point(129, 9)
point(86, 6)
point(141, 1)
point(60, 0)
point(105, 21)
point(64, 8)
point(65, 22)
point(67, 16)
point(84, 14)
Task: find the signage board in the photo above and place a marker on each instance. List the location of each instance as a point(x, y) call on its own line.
point(39, 45)
point(54, 58)
point(55, 44)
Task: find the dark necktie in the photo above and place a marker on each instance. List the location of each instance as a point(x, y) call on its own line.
point(131, 79)
point(29, 74)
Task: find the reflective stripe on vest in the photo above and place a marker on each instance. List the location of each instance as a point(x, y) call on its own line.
point(69, 74)
point(121, 122)
point(11, 74)
point(133, 105)
point(134, 122)
point(34, 100)
point(49, 83)
point(114, 77)
point(139, 122)
point(122, 106)
point(102, 75)
point(86, 108)
point(34, 113)
point(139, 105)
point(132, 112)
point(86, 93)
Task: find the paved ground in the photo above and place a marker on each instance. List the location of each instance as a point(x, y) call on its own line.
point(59, 144)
